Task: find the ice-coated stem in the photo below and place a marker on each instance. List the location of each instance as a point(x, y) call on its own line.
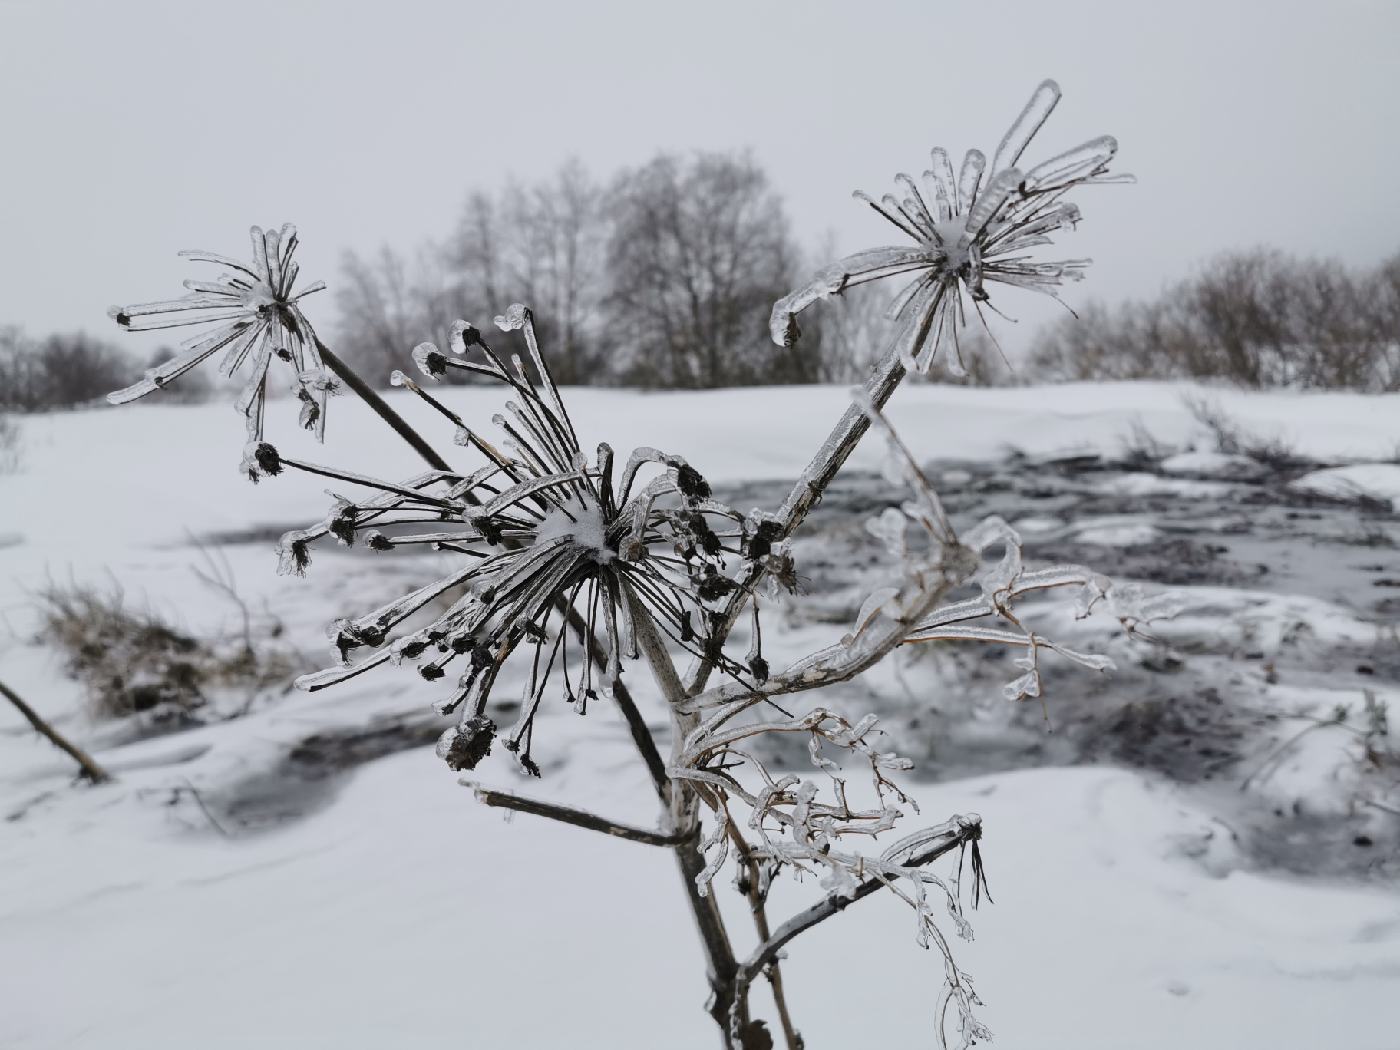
point(569, 815)
point(90, 769)
point(721, 962)
point(370, 396)
point(806, 491)
point(968, 829)
point(758, 908)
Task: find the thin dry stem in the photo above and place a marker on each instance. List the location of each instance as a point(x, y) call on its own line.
point(87, 766)
point(577, 817)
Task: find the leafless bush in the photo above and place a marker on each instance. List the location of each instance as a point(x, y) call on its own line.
point(1257, 318)
point(58, 371)
point(1231, 438)
point(1142, 447)
point(129, 660)
point(132, 660)
point(1370, 753)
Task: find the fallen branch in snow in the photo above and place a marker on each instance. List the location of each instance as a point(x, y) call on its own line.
point(90, 769)
point(577, 817)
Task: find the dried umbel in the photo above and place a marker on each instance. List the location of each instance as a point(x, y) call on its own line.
point(543, 533)
point(969, 228)
point(251, 312)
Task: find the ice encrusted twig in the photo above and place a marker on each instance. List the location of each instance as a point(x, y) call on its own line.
point(959, 832)
point(797, 825)
point(804, 824)
point(570, 815)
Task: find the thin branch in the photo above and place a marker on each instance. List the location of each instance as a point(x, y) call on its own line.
point(805, 495)
point(758, 908)
point(577, 817)
point(90, 768)
point(371, 397)
point(969, 829)
point(684, 814)
point(636, 724)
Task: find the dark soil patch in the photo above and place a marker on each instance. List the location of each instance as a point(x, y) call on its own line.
point(312, 772)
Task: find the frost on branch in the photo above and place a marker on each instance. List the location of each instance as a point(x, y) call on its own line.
point(969, 228)
point(543, 535)
point(252, 313)
point(808, 825)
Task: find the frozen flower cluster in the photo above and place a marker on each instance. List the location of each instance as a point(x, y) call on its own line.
point(252, 313)
point(970, 228)
point(543, 535)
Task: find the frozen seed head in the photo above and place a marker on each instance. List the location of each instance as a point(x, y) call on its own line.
point(261, 460)
point(970, 228)
point(464, 746)
point(543, 532)
point(251, 314)
point(464, 336)
point(430, 361)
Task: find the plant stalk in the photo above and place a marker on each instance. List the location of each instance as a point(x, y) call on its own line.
point(88, 767)
point(371, 397)
point(805, 495)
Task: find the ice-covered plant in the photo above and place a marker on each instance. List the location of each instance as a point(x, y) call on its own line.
point(542, 533)
point(252, 312)
point(969, 229)
point(579, 565)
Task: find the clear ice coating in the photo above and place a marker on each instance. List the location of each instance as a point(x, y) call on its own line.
point(971, 230)
point(1042, 103)
point(251, 312)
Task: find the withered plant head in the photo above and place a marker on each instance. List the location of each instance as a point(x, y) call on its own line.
point(251, 312)
point(544, 532)
point(970, 228)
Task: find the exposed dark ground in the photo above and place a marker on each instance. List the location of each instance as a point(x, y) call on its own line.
point(1210, 702)
point(1211, 705)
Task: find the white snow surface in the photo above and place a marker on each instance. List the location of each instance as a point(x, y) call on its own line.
point(151, 472)
point(404, 914)
point(1377, 480)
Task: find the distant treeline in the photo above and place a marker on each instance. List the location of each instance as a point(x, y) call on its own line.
point(67, 369)
point(1258, 319)
point(664, 275)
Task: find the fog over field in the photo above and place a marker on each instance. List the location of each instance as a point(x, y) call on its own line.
point(529, 561)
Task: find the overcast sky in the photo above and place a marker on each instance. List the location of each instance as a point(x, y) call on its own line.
point(131, 130)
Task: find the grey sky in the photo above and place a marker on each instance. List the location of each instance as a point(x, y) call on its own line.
point(131, 130)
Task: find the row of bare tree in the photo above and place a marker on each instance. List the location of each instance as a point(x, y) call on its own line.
point(1259, 318)
point(69, 368)
point(662, 276)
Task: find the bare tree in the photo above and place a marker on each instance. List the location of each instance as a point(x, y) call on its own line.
point(543, 243)
point(388, 305)
point(58, 371)
point(700, 249)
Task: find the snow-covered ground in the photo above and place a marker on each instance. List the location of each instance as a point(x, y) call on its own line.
point(394, 911)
